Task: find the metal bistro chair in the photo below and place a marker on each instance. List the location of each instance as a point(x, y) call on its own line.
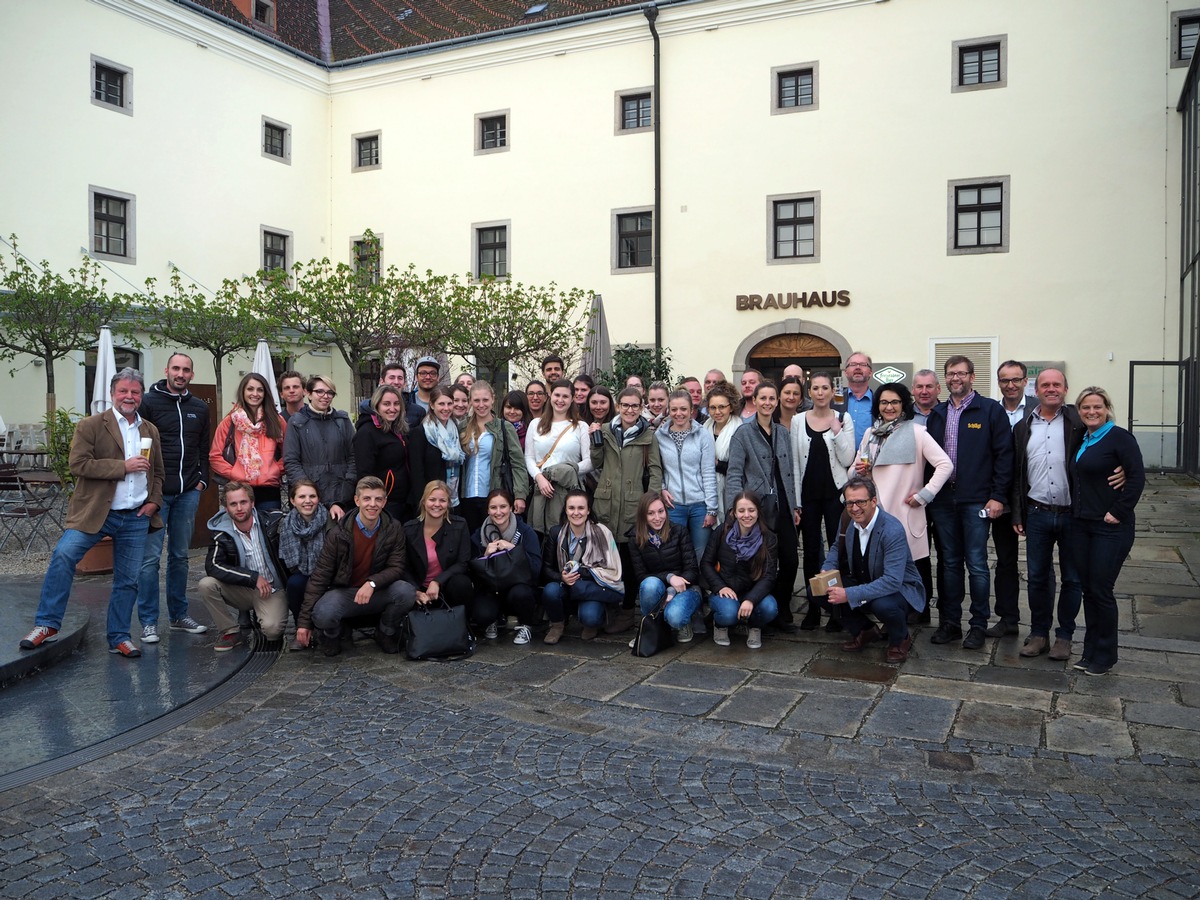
point(18, 505)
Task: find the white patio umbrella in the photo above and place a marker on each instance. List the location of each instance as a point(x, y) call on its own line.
point(262, 365)
point(597, 355)
point(106, 368)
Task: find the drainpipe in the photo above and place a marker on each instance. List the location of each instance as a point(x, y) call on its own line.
point(651, 13)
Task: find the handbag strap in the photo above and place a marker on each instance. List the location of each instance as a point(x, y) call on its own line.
point(554, 446)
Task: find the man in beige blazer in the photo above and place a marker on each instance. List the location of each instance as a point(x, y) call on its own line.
point(117, 463)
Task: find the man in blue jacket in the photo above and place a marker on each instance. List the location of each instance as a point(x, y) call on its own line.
point(182, 422)
point(974, 432)
point(878, 574)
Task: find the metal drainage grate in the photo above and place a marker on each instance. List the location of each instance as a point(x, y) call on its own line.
point(257, 663)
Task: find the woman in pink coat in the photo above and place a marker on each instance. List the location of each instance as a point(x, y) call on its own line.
point(894, 453)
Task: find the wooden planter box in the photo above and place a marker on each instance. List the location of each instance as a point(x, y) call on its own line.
point(98, 560)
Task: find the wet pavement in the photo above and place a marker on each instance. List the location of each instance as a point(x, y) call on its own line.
point(578, 770)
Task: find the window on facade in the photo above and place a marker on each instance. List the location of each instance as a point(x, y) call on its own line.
point(979, 216)
point(368, 255)
point(635, 240)
point(795, 228)
point(367, 150)
point(273, 140)
point(264, 12)
point(112, 85)
point(980, 63)
point(492, 252)
point(110, 223)
point(636, 111)
point(1185, 29)
point(274, 250)
point(493, 132)
point(795, 88)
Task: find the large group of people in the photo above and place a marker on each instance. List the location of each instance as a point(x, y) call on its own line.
point(692, 500)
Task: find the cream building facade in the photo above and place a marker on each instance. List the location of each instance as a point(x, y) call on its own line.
point(910, 178)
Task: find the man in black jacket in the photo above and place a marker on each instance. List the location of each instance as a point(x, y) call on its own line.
point(182, 422)
point(244, 569)
point(974, 432)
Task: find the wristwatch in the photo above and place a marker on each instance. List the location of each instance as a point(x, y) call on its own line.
point(373, 585)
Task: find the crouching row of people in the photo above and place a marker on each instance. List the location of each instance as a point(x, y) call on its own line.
point(367, 566)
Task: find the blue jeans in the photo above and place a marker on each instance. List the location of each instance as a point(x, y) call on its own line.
point(891, 610)
point(1044, 529)
point(128, 531)
point(725, 611)
point(691, 516)
point(179, 516)
point(590, 597)
point(962, 539)
point(679, 608)
point(1100, 550)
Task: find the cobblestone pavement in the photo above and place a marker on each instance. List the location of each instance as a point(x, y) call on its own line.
point(580, 771)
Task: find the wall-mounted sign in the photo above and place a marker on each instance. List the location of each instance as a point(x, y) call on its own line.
point(793, 300)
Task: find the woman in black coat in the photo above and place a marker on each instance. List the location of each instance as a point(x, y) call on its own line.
point(438, 547)
point(663, 561)
point(739, 568)
point(381, 449)
point(435, 452)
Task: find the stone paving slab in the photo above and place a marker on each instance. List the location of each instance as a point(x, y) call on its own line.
point(829, 714)
point(1166, 742)
point(987, 693)
point(599, 683)
point(753, 705)
point(912, 716)
point(1088, 736)
point(1085, 705)
point(672, 700)
point(999, 723)
point(719, 679)
point(1168, 715)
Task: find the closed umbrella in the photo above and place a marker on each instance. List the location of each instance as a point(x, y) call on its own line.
point(597, 356)
point(106, 368)
point(264, 367)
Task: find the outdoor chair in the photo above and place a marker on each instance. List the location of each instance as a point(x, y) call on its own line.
point(21, 508)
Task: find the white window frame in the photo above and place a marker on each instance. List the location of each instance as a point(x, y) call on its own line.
point(286, 159)
point(952, 215)
point(506, 114)
point(615, 240)
point(130, 255)
point(772, 199)
point(970, 43)
point(126, 104)
point(619, 98)
point(355, 139)
point(779, 71)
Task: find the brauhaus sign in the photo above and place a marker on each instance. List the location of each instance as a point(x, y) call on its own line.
point(792, 300)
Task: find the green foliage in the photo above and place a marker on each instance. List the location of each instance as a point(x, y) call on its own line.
point(185, 317)
point(60, 430)
point(48, 317)
point(630, 359)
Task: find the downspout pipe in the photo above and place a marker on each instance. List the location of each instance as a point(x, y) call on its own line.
point(651, 13)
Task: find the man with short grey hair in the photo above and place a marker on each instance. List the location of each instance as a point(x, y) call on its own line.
point(926, 391)
point(860, 398)
point(117, 463)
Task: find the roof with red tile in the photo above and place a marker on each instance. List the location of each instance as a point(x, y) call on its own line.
point(340, 31)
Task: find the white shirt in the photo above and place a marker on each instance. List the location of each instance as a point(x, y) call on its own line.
point(132, 492)
point(1015, 415)
point(573, 448)
point(864, 533)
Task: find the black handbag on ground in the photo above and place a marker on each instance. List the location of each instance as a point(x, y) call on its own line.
point(501, 570)
point(438, 632)
point(654, 634)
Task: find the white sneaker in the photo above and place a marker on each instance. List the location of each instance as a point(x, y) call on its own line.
point(754, 639)
point(720, 636)
point(491, 632)
point(632, 641)
point(149, 634)
point(685, 634)
point(522, 636)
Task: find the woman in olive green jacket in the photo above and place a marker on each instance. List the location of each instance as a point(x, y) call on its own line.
point(491, 441)
point(629, 465)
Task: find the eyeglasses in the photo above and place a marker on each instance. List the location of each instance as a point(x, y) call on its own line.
point(535, 393)
point(321, 392)
point(1013, 380)
point(891, 403)
point(631, 407)
point(857, 504)
point(951, 376)
point(719, 407)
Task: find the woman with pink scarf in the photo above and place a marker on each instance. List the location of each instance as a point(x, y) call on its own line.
point(248, 445)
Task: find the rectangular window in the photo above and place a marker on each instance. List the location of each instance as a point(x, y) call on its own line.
point(276, 140)
point(367, 151)
point(112, 224)
point(794, 228)
point(978, 216)
point(635, 111)
point(634, 239)
point(492, 252)
point(264, 13)
point(1185, 29)
point(492, 132)
point(980, 63)
point(368, 258)
point(112, 85)
point(275, 249)
point(794, 88)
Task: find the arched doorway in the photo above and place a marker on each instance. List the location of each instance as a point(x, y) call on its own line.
point(773, 347)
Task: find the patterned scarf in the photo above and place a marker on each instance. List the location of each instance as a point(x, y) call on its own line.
point(300, 542)
point(246, 443)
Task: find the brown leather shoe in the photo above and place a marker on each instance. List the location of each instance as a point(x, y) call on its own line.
point(554, 633)
point(618, 621)
point(899, 653)
point(1035, 645)
point(588, 633)
point(864, 637)
point(1061, 651)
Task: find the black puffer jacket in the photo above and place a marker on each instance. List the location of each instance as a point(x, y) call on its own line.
point(720, 567)
point(676, 556)
point(320, 447)
point(182, 423)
